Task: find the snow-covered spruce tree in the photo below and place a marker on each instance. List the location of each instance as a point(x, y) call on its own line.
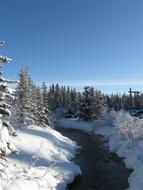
point(43, 106)
point(45, 96)
point(100, 106)
point(55, 97)
point(51, 97)
point(39, 103)
point(58, 96)
point(79, 101)
point(67, 97)
point(31, 101)
point(93, 104)
point(71, 109)
point(24, 98)
point(64, 96)
point(34, 102)
point(85, 112)
point(68, 103)
point(6, 145)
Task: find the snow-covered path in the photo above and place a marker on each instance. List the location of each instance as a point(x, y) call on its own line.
point(100, 169)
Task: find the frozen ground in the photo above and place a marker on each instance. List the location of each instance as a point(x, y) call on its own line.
point(125, 138)
point(43, 162)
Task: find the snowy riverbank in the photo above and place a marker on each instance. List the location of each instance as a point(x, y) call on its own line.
point(125, 138)
point(43, 162)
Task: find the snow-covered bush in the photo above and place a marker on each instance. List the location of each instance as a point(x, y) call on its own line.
point(125, 138)
point(109, 118)
point(128, 127)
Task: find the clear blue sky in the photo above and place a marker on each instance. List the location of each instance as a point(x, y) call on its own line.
point(77, 42)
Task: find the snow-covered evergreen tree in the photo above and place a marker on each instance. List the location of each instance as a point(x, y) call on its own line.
point(79, 101)
point(58, 96)
point(100, 105)
point(64, 97)
point(6, 145)
point(24, 98)
point(31, 101)
point(45, 95)
point(43, 105)
point(34, 102)
point(86, 105)
point(93, 104)
point(71, 109)
point(51, 97)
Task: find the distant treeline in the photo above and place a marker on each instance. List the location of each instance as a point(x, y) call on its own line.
point(35, 102)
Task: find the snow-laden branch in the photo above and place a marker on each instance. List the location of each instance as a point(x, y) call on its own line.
point(2, 43)
point(3, 80)
point(5, 59)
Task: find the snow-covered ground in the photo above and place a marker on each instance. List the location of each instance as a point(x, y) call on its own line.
point(43, 162)
point(125, 138)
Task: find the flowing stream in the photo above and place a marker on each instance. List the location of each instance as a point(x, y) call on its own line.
point(101, 170)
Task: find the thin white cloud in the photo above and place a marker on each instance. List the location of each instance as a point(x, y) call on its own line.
point(103, 83)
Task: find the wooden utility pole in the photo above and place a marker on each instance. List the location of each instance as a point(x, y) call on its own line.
point(135, 93)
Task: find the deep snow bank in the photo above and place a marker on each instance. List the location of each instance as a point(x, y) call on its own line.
point(43, 162)
point(125, 138)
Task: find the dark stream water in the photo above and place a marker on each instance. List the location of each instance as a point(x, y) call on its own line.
point(101, 170)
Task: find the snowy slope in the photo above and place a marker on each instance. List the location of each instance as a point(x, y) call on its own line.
point(125, 138)
point(42, 163)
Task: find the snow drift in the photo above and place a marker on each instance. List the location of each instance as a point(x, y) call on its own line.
point(43, 162)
